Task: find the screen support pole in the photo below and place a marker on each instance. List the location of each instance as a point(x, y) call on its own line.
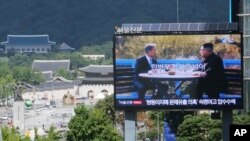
point(227, 118)
point(130, 125)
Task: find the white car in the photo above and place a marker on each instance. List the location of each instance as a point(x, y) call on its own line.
point(38, 110)
point(3, 117)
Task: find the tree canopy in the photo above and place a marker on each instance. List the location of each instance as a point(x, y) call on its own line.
point(199, 127)
point(91, 125)
point(80, 23)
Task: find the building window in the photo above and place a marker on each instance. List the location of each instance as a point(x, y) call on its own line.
point(90, 94)
point(43, 49)
point(105, 92)
point(33, 50)
point(28, 49)
point(23, 49)
point(38, 49)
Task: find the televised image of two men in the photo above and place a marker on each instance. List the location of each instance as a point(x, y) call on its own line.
point(210, 79)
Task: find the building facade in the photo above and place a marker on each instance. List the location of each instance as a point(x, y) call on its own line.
point(48, 68)
point(97, 81)
point(65, 48)
point(94, 57)
point(28, 44)
point(245, 27)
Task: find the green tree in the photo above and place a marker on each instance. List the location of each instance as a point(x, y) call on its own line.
point(36, 78)
point(25, 74)
point(241, 119)
point(199, 127)
point(6, 82)
point(107, 106)
point(10, 134)
point(26, 138)
point(77, 61)
point(6, 91)
point(157, 117)
point(92, 124)
point(105, 48)
point(64, 73)
point(151, 133)
point(78, 125)
point(20, 60)
point(5, 74)
point(104, 130)
point(53, 135)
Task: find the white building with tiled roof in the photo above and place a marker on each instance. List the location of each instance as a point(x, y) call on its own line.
point(98, 80)
point(65, 48)
point(49, 67)
point(94, 56)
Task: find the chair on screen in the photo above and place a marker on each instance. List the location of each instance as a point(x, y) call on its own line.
point(124, 87)
point(233, 84)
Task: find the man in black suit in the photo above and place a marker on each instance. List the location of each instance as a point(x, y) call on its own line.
point(143, 65)
point(211, 81)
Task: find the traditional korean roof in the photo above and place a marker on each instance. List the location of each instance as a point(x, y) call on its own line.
point(28, 40)
point(51, 65)
point(103, 69)
point(65, 46)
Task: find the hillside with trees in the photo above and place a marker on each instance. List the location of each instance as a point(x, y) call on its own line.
point(84, 22)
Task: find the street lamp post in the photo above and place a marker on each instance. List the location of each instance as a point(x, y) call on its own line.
point(18, 106)
point(158, 124)
point(52, 90)
point(1, 135)
point(145, 129)
point(18, 91)
point(64, 115)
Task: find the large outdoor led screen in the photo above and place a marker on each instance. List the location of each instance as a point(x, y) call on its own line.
point(180, 71)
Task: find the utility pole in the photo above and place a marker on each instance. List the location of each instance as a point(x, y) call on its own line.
point(1, 138)
point(158, 124)
point(177, 11)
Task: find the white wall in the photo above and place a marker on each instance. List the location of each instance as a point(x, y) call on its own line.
point(30, 47)
point(84, 89)
point(58, 94)
point(94, 57)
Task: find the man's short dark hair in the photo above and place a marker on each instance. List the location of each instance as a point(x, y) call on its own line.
point(149, 47)
point(207, 46)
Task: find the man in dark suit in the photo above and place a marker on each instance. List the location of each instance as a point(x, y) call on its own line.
point(143, 65)
point(211, 81)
